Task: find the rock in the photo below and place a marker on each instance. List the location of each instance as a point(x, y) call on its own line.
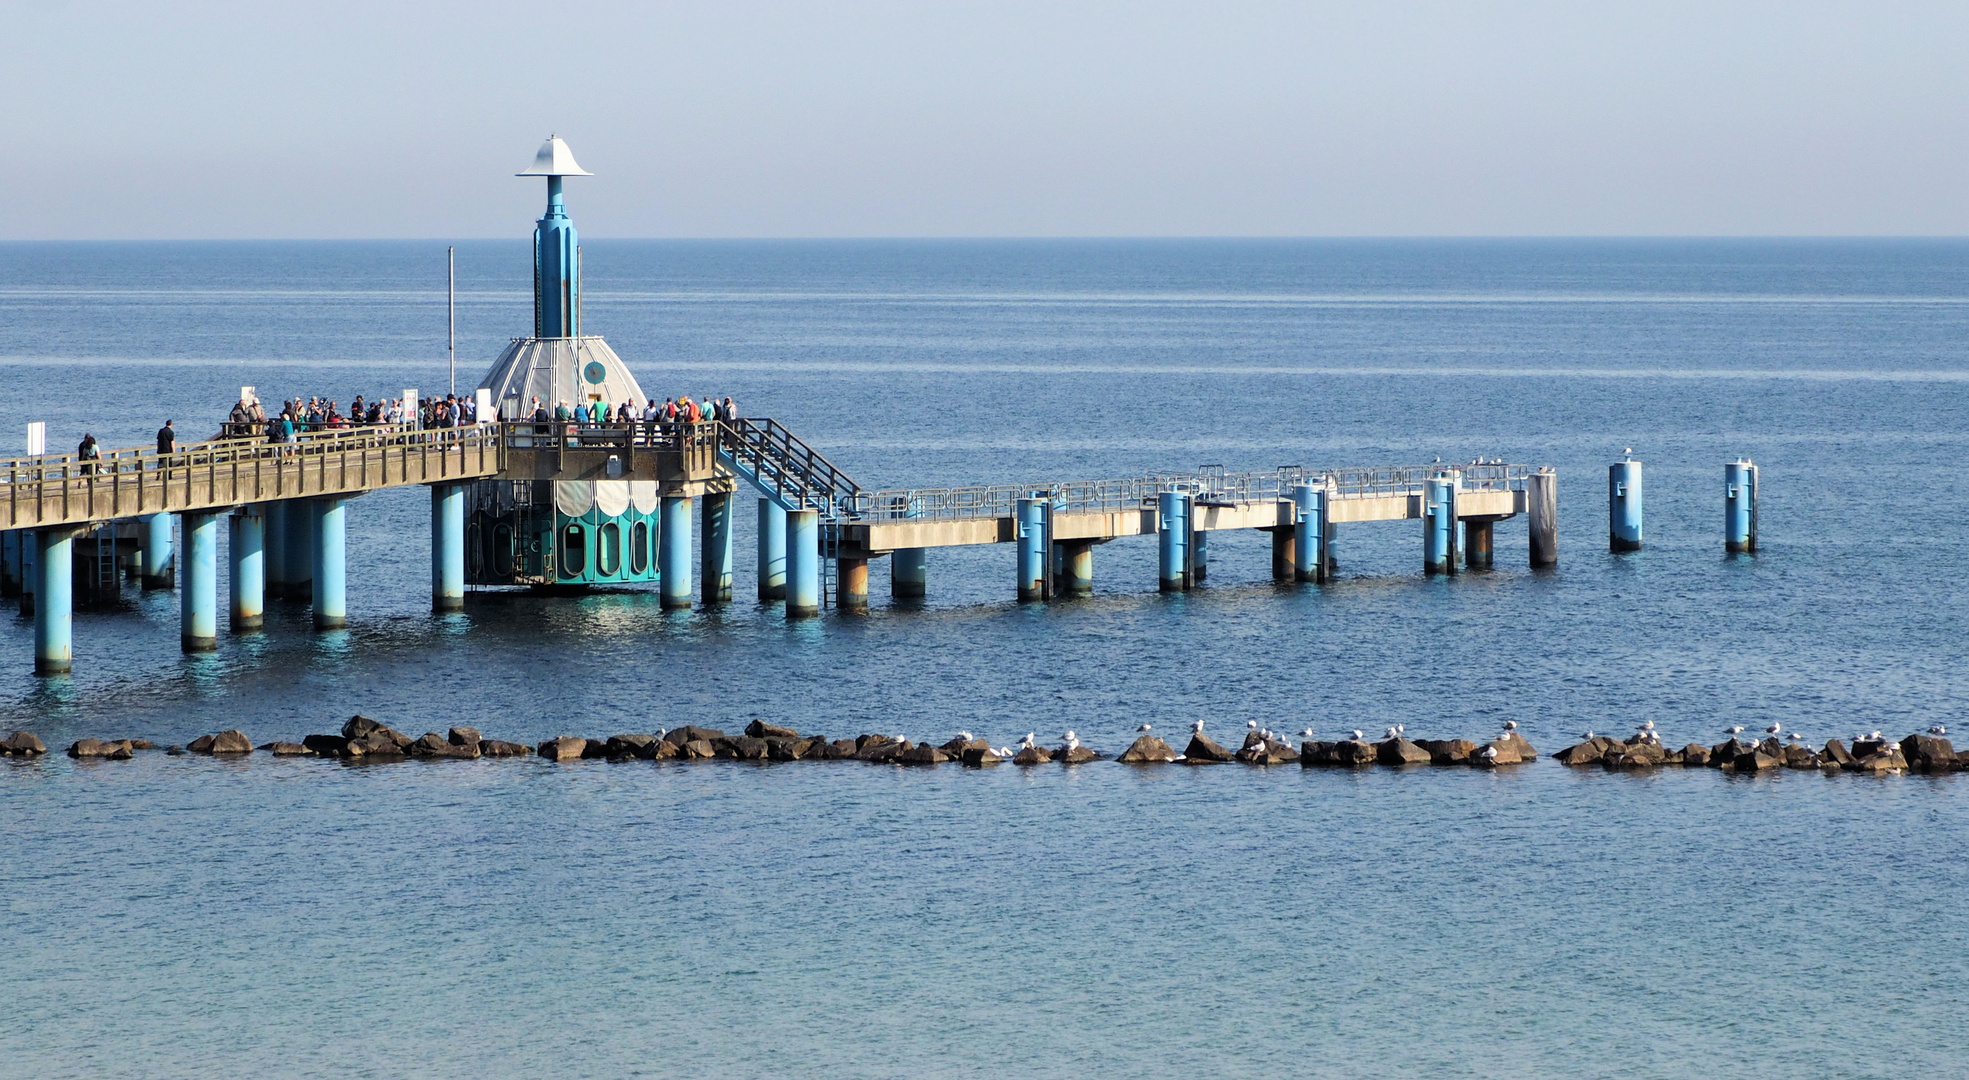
point(175, 750)
point(1771, 747)
point(1640, 754)
point(464, 736)
point(1447, 751)
point(1863, 748)
point(841, 748)
point(922, 754)
point(1079, 755)
point(434, 745)
point(1266, 752)
point(1032, 755)
point(225, 742)
point(1517, 743)
point(141, 744)
point(358, 726)
point(882, 748)
point(1586, 753)
point(1147, 750)
point(690, 732)
point(780, 748)
point(1756, 761)
point(863, 742)
point(1962, 759)
point(380, 742)
point(22, 744)
point(1501, 751)
point(565, 748)
point(1202, 751)
point(1399, 751)
point(1881, 762)
point(91, 748)
point(1928, 753)
point(979, 757)
point(286, 749)
point(665, 751)
point(1313, 752)
point(956, 747)
point(1800, 756)
point(697, 750)
point(326, 745)
point(1353, 752)
point(748, 748)
point(1835, 752)
point(1695, 755)
point(623, 747)
point(759, 729)
point(499, 749)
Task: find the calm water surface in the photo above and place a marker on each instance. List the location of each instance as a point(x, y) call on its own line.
point(192, 917)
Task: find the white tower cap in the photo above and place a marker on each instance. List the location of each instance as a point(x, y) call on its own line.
point(554, 159)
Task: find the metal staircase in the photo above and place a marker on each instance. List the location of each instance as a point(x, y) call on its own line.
point(787, 470)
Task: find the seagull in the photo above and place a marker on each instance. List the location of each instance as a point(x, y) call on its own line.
point(1401, 729)
point(1252, 724)
point(1306, 734)
point(1391, 733)
point(1070, 741)
point(965, 735)
point(1775, 727)
point(1490, 753)
point(1588, 735)
point(1358, 735)
point(1795, 737)
point(1026, 743)
point(1144, 727)
point(1938, 729)
point(1737, 730)
point(1510, 725)
point(1196, 728)
point(1649, 726)
point(1875, 737)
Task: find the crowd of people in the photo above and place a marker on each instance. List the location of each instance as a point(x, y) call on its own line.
point(297, 417)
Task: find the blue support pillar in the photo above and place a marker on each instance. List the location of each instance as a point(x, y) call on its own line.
point(447, 547)
point(299, 561)
point(30, 571)
point(12, 567)
point(1740, 507)
point(156, 549)
point(717, 548)
point(1034, 547)
point(246, 552)
point(772, 551)
point(1439, 525)
point(909, 573)
point(273, 545)
point(802, 563)
point(329, 547)
point(1624, 506)
point(673, 553)
point(54, 601)
point(1076, 576)
point(1308, 533)
point(1199, 554)
point(198, 604)
point(1173, 535)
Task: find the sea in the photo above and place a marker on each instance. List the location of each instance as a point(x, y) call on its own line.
point(196, 917)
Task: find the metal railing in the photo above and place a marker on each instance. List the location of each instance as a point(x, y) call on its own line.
point(777, 461)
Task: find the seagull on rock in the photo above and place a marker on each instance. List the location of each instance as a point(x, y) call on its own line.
point(1737, 730)
point(1938, 729)
point(1026, 743)
point(1196, 728)
point(1510, 725)
point(1306, 734)
point(965, 735)
point(1359, 735)
point(1144, 727)
point(1392, 733)
point(1070, 741)
point(1775, 727)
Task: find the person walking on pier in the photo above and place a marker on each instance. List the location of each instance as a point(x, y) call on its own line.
point(89, 453)
point(167, 438)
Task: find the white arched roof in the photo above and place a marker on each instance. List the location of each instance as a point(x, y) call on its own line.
point(573, 370)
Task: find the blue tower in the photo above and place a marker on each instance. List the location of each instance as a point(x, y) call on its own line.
point(556, 248)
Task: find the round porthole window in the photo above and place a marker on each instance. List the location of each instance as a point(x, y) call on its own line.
point(595, 372)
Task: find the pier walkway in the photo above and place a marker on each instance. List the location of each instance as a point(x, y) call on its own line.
point(818, 528)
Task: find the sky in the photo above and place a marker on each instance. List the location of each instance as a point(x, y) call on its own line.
point(863, 119)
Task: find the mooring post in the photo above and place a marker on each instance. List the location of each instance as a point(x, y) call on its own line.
point(1740, 507)
point(198, 605)
point(1309, 532)
point(772, 551)
point(1439, 525)
point(329, 546)
point(300, 561)
point(851, 583)
point(802, 563)
point(54, 612)
point(1476, 543)
point(1034, 551)
point(246, 555)
point(1542, 515)
point(1624, 505)
point(673, 553)
point(447, 547)
point(717, 548)
point(1172, 511)
point(156, 546)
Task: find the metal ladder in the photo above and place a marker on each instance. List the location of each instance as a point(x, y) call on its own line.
point(786, 470)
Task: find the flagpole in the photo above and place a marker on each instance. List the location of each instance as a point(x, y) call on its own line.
point(451, 313)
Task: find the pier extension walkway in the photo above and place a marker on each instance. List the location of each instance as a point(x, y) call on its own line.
point(66, 522)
